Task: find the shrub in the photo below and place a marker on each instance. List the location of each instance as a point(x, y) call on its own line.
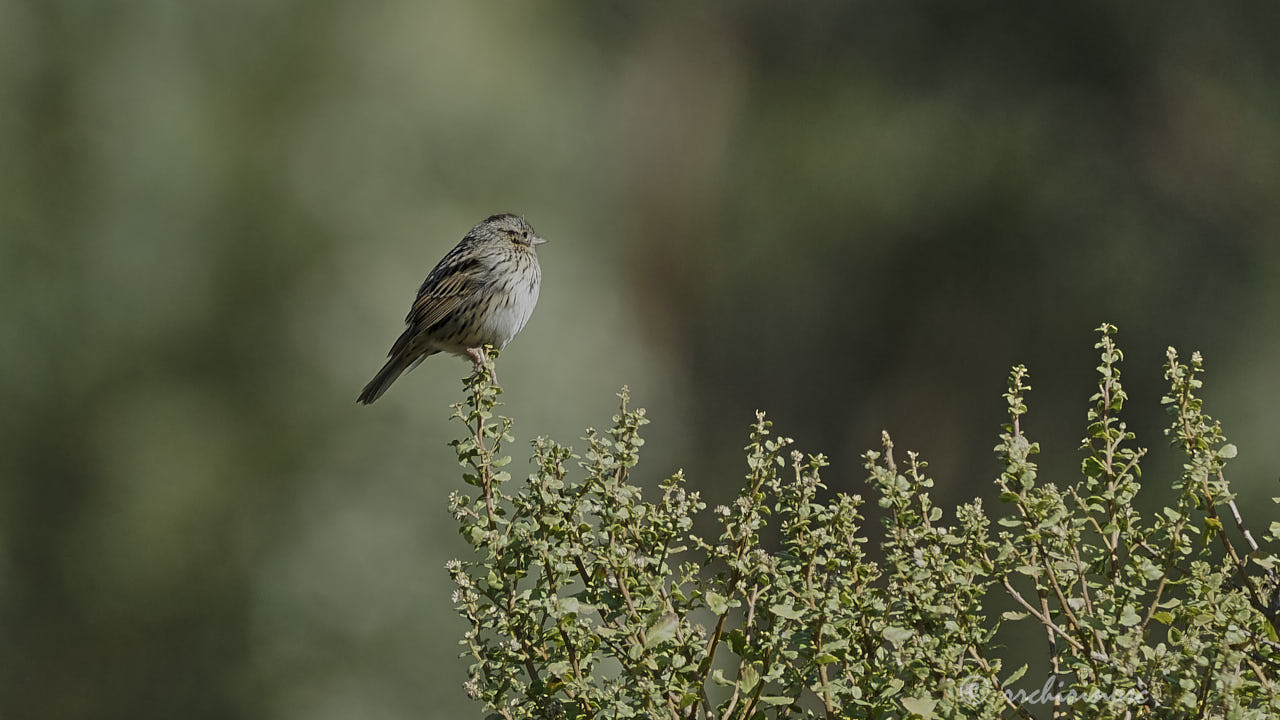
point(584, 599)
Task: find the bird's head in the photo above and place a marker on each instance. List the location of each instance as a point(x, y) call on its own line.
point(507, 228)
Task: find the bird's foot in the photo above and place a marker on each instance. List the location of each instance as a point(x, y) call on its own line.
point(479, 358)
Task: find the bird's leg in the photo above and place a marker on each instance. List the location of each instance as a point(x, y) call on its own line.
point(478, 357)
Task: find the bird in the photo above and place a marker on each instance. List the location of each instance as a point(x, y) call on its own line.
point(481, 293)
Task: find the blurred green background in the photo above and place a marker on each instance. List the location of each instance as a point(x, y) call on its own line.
point(213, 217)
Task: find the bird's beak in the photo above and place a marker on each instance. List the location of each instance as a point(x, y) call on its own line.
point(538, 240)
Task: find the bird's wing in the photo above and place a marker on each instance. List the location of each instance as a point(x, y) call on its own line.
point(443, 292)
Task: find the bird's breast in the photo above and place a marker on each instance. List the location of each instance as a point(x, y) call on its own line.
point(512, 304)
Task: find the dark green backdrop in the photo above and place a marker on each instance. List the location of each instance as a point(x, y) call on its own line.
point(857, 215)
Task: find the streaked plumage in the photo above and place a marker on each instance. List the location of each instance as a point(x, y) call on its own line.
point(481, 293)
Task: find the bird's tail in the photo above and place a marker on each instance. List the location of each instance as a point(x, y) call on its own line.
point(380, 382)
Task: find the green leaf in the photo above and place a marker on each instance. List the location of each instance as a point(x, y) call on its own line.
point(716, 602)
point(1129, 617)
point(1014, 616)
point(922, 706)
point(897, 635)
point(750, 678)
point(662, 630)
point(1151, 571)
point(786, 611)
point(1017, 674)
point(776, 700)
point(737, 641)
point(1034, 571)
point(1228, 451)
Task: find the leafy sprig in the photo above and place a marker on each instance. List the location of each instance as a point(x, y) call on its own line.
point(584, 599)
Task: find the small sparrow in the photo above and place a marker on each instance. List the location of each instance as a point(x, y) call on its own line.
point(481, 293)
